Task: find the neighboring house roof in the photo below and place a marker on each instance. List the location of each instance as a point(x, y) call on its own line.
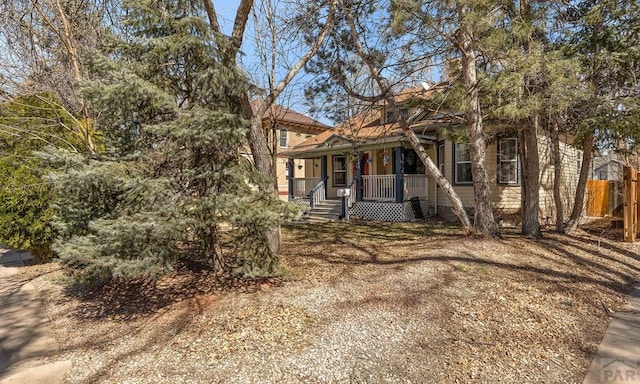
point(369, 127)
point(290, 119)
point(606, 159)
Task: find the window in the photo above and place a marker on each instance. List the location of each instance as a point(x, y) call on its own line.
point(339, 171)
point(283, 138)
point(390, 117)
point(462, 164)
point(441, 157)
point(412, 163)
point(508, 167)
point(579, 162)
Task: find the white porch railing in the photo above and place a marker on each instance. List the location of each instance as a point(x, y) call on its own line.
point(317, 193)
point(416, 186)
point(303, 185)
point(352, 196)
point(379, 187)
point(383, 187)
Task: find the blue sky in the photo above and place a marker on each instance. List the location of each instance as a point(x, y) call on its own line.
point(293, 95)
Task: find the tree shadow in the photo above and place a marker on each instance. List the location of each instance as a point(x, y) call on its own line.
point(22, 335)
point(371, 232)
point(128, 300)
point(162, 333)
point(616, 272)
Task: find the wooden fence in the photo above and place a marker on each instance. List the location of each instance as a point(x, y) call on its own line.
point(598, 198)
point(631, 197)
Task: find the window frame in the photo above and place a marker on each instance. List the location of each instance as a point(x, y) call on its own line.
point(390, 117)
point(579, 156)
point(456, 162)
point(500, 162)
point(334, 170)
point(440, 156)
point(285, 137)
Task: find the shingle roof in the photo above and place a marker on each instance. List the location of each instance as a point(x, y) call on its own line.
point(291, 119)
point(366, 126)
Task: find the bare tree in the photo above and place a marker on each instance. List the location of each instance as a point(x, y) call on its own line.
point(256, 135)
point(46, 39)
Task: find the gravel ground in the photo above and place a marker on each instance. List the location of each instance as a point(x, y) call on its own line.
point(364, 303)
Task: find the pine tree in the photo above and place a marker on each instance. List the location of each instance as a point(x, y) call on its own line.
point(605, 36)
point(171, 176)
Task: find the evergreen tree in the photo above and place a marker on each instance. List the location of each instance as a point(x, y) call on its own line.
point(605, 36)
point(28, 124)
point(171, 175)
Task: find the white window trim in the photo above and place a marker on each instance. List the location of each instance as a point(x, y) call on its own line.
point(285, 137)
point(501, 161)
point(440, 156)
point(333, 166)
point(457, 162)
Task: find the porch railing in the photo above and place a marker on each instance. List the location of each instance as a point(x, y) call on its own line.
point(302, 186)
point(379, 187)
point(318, 193)
point(416, 186)
point(352, 196)
point(383, 187)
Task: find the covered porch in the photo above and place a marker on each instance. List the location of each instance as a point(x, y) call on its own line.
point(370, 188)
point(381, 184)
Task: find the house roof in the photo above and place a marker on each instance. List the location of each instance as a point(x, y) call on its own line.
point(366, 127)
point(606, 159)
point(289, 119)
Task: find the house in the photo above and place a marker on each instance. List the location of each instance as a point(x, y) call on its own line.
point(284, 129)
point(607, 167)
point(369, 156)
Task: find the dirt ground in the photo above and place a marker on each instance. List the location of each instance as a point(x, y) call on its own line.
point(362, 303)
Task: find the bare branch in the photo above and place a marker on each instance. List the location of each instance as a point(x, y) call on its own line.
point(275, 92)
point(212, 15)
point(240, 23)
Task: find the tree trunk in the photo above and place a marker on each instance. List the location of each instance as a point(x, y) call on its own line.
point(87, 130)
point(264, 165)
point(431, 168)
point(484, 221)
point(557, 179)
point(530, 191)
point(578, 203)
point(530, 179)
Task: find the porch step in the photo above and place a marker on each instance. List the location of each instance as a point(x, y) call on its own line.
point(325, 211)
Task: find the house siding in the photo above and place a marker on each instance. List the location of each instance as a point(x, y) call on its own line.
point(506, 199)
point(570, 158)
point(293, 139)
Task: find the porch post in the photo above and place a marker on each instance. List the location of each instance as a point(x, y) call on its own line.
point(359, 184)
point(291, 174)
point(399, 174)
point(323, 173)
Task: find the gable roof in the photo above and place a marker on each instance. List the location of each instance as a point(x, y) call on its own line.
point(368, 127)
point(289, 119)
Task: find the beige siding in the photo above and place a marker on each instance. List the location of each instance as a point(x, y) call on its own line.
point(570, 158)
point(381, 167)
point(301, 166)
point(464, 191)
point(506, 198)
point(503, 197)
